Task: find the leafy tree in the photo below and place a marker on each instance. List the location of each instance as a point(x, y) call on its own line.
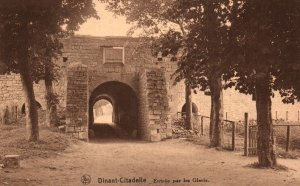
point(45, 68)
point(154, 19)
point(206, 61)
point(29, 38)
point(267, 60)
point(201, 41)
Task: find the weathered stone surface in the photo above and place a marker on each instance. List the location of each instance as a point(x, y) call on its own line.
point(77, 101)
point(151, 99)
point(12, 97)
point(11, 161)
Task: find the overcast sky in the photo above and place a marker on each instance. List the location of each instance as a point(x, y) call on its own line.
point(108, 25)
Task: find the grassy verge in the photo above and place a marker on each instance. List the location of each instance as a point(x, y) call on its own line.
point(12, 141)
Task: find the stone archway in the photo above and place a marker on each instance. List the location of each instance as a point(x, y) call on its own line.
point(143, 113)
point(125, 109)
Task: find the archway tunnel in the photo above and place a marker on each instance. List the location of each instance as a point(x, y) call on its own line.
point(113, 111)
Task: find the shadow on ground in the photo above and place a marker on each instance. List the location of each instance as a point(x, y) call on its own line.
point(110, 133)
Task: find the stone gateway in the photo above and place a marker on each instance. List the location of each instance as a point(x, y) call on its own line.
point(138, 85)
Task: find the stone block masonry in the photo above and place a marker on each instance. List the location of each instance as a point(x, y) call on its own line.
point(154, 118)
point(12, 97)
point(77, 101)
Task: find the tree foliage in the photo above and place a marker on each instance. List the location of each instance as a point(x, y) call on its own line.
point(253, 45)
point(29, 39)
point(197, 32)
point(45, 21)
point(268, 37)
point(155, 19)
point(267, 59)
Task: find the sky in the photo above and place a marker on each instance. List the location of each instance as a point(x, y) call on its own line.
point(108, 25)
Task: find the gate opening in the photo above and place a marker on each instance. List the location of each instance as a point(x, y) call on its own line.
point(113, 111)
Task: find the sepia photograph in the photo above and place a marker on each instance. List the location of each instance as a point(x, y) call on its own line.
point(150, 92)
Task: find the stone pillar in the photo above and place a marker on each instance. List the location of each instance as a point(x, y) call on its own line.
point(143, 110)
point(77, 101)
point(154, 117)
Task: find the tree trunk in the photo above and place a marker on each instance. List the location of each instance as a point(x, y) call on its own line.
point(51, 110)
point(188, 108)
point(216, 113)
point(265, 142)
point(188, 94)
point(32, 127)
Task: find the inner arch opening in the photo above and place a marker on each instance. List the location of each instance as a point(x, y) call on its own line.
point(103, 112)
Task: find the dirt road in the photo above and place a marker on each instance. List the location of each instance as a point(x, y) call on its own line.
point(159, 163)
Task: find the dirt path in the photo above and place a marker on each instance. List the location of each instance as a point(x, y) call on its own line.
point(165, 161)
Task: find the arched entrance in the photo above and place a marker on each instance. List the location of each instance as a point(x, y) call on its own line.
point(123, 101)
point(194, 109)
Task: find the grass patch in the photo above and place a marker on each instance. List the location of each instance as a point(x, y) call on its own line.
point(13, 141)
point(281, 153)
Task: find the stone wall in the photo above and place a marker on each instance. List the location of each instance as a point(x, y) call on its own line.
point(12, 97)
point(158, 103)
point(155, 123)
point(89, 51)
point(77, 101)
point(235, 104)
